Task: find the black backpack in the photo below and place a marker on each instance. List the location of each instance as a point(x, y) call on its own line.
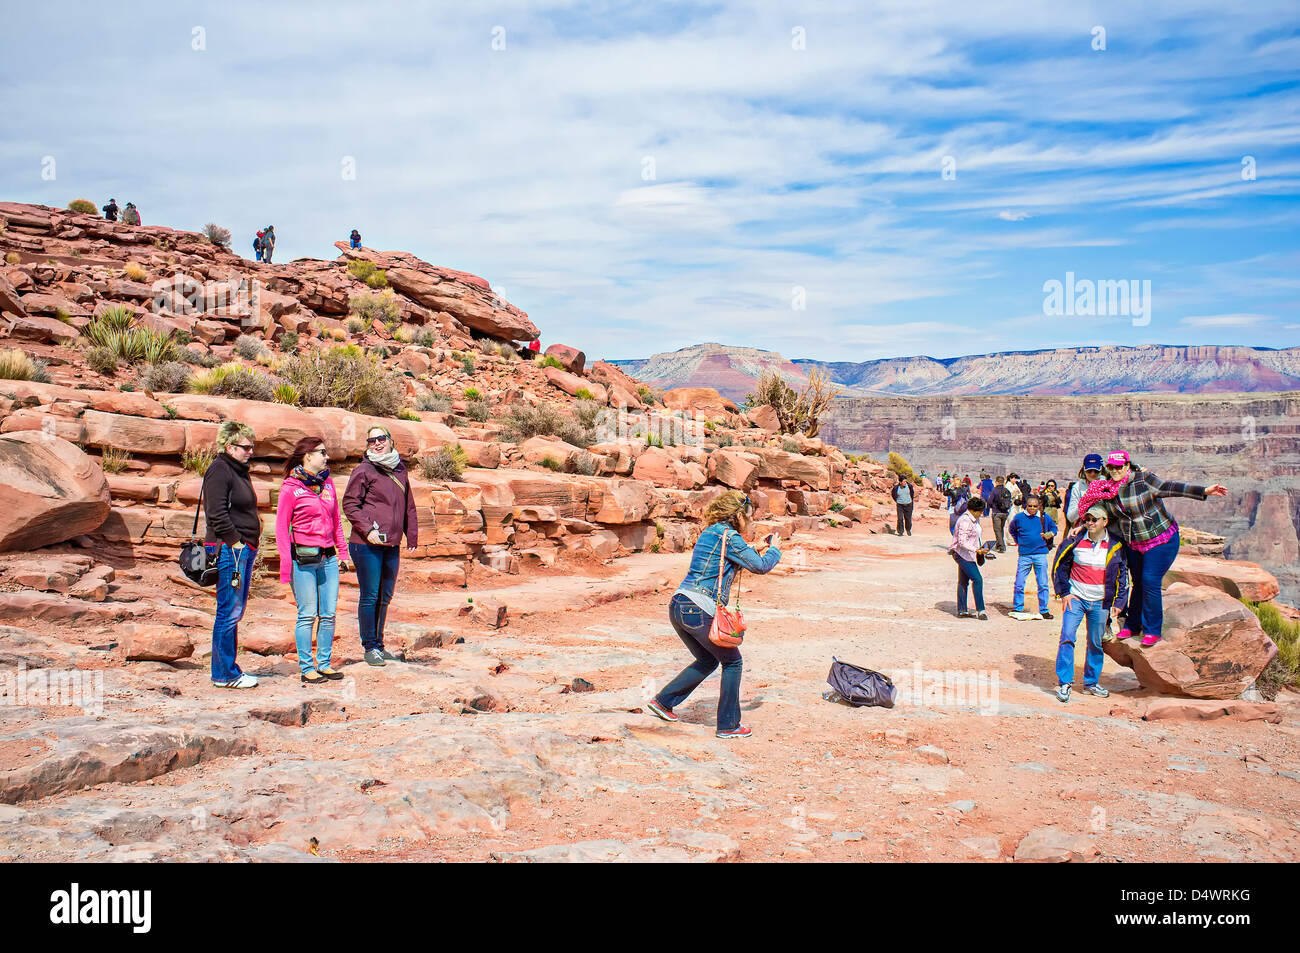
point(860, 687)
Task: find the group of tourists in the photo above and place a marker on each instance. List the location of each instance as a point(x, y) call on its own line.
point(130, 215)
point(1117, 543)
point(264, 244)
point(312, 548)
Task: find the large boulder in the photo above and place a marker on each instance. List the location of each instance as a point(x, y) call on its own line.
point(734, 469)
point(468, 301)
point(572, 384)
point(50, 491)
point(764, 415)
point(1212, 646)
point(1239, 579)
point(573, 360)
point(701, 400)
point(783, 465)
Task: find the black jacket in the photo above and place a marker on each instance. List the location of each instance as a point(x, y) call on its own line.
point(1001, 500)
point(230, 503)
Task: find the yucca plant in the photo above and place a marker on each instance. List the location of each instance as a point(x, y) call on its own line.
point(15, 365)
point(159, 346)
point(112, 460)
point(286, 393)
point(209, 380)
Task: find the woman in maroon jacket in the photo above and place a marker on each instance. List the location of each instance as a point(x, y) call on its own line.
point(379, 505)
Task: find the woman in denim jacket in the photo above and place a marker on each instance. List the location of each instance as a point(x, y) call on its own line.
point(696, 600)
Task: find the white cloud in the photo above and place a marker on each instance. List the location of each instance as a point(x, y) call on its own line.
point(1225, 320)
point(1007, 215)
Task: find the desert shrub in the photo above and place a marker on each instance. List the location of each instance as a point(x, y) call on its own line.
point(659, 529)
point(467, 364)
point(653, 440)
point(366, 271)
point(198, 460)
point(522, 421)
point(446, 464)
point(286, 393)
point(13, 258)
point(587, 412)
point(233, 380)
point(576, 434)
point(549, 360)
point(249, 347)
point(126, 388)
point(217, 235)
point(338, 334)
point(898, 464)
point(585, 463)
point(402, 334)
point(434, 402)
point(61, 315)
point(169, 377)
point(199, 358)
point(85, 206)
point(790, 445)
point(1284, 670)
point(345, 377)
point(426, 339)
point(477, 411)
point(15, 365)
point(725, 440)
point(837, 506)
point(488, 347)
point(182, 337)
point(507, 351)
point(40, 372)
point(172, 412)
point(102, 360)
point(135, 271)
point(372, 306)
point(552, 464)
point(112, 460)
point(378, 280)
point(582, 393)
point(472, 393)
point(646, 394)
point(354, 325)
point(288, 342)
point(407, 414)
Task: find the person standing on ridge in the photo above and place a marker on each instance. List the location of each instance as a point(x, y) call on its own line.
point(268, 243)
point(1000, 501)
point(257, 245)
point(131, 215)
point(902, 494)
point(1092, 580)
point(355, 239)
point(111, 210)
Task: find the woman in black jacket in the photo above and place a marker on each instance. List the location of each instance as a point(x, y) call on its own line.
point(233, 531)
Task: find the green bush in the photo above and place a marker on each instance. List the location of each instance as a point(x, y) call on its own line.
point(286, 393)
point(472, 393)
point(373, 306)
point(288, 342)
point(354, 325)
point(522, 421)
point(549, 360)
point(233, 380)
point(646, 394)
point(112, 460)
point(170, 377)
point(898, 464)
point(250, 348)
point(1284, 670)
point(102, 360)
point(366, 271)
point(345, 377)
point(552, 464)
point(408, 414)
point(426, 339)
point(182, 337)
point(790, 445)
point(198, 460)
point(85, 206)
point(477, 411)
point(445, 465)
point(467, 364)
point(582, 393)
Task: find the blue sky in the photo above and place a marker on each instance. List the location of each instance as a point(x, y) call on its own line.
point(774, 168)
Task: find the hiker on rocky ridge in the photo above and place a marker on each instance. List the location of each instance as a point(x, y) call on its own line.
point(131, 215)
point(257, 244)
point(379, 505)
point(902, 494)
point(309, 537)
point(233, 530)
point(719, 553)
point(111, 210)
point(965, 549)
point(1132, 498)
point(1034, 533)
point(1091, 577)
point(268, 243)
point(354, 240)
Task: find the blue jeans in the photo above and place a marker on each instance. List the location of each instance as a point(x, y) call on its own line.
point(230, 609)
point(692, 626)
point(968, 573)
point(316, 590)
point(1095, 613)
point(1038, 562)
point(376, 577)
point(1146, 605)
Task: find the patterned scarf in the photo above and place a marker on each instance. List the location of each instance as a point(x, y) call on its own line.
point(314, 481)
point(1099, 490)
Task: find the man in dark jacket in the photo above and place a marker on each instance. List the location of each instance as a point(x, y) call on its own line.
point(1033, 533)
point(902, 494)
point(1000, 501)
point(381, 508)
point(111, 210)
point(1091, 577)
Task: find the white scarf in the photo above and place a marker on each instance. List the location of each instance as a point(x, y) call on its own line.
point(388, 461)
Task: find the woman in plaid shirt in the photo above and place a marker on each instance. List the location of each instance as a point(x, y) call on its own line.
point(1132, 497)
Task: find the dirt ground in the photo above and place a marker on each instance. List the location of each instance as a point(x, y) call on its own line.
point(481, 750)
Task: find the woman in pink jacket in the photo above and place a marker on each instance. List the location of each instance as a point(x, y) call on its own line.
point(309, 536)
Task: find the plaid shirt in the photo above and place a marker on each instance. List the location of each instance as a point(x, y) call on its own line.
point(1137, 510)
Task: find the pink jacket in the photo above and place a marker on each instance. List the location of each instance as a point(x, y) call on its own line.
point(966, 537)
point(314, 520)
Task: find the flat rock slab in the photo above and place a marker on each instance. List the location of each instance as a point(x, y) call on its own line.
point(1053, 845)
point(1194, 709)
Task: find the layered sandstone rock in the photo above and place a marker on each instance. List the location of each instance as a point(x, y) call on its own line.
point(50, 491)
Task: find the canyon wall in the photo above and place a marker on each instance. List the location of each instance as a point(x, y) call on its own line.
point(1248, 442)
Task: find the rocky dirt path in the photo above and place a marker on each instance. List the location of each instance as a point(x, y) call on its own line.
point(482, 749)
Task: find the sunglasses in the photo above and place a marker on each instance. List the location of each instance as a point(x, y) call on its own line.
point(242, 446)
point(380, 439)
point(1094, 519)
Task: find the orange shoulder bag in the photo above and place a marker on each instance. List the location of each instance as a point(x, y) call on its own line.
point(728, 628)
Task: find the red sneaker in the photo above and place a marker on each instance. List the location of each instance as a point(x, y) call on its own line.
point(740, 731)
point(1123, 634)
point(659, 711)
point(1149, 640)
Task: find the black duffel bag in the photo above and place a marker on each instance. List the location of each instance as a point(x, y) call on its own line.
point(860, 687)
point(199, 565)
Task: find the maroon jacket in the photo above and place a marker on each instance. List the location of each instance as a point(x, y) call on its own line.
point(374, 495)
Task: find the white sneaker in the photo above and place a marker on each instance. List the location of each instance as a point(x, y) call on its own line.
point(244, 681)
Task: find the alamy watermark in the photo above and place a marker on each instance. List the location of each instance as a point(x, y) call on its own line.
point(1083, 296)
point(947, 688)
point(53, 688)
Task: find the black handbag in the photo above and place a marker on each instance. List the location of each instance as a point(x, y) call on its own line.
point(198, 564)
point(860, 687)
point(305, 555)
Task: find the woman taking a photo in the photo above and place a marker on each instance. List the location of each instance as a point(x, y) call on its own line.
point(965, 549)
point(309, 538)
point(1132, 497)
point(379, 505)
point(233, 530)
point(720, 551)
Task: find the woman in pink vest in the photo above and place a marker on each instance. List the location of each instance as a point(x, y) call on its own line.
point(309, 537)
